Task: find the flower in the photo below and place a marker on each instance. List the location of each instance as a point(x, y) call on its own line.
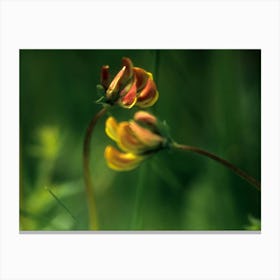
point(131, 86)
point(121, 161)
point(137, 139)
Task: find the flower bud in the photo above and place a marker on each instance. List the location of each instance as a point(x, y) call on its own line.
point(105, 77)
point(133, 139)
point(112, 91)
point(145, 118)
point(131, 86)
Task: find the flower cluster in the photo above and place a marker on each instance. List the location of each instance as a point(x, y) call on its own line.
point(137, 139)
point(131, 86)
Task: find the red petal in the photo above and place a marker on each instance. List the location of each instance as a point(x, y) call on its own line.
point(141, 77)
point(128, 99)
point(148, 96)
point(145, 117)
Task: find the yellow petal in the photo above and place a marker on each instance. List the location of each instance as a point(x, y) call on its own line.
point(127, 140)
point(111, 128)
point(121, 161)
point(148, 102)
point(150, 75)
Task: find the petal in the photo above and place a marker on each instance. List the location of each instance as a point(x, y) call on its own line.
point(150, 75)
point(128, 69)
point(142, 77)
point(111, 128)
point(128, 96)
point(121, 161)
point(148, 96)
point(115, 84)
point(105, 76)
point(127, 140)
point(145, 117)
point(144, 135)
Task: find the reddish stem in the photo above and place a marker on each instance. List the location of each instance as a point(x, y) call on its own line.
point(222, 161)
point(92, 212)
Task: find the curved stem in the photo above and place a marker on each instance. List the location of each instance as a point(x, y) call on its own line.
point(93, 222)
point(227, 164)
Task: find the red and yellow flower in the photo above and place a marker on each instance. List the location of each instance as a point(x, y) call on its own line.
point(137, 139)
point(131, 86)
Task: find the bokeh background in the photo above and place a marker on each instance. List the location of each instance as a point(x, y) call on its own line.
point(208, 98)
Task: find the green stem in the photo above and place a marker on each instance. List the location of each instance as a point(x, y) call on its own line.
point(89, 190)
point(222, 161)
point(157, 57)
point(138, 199)
point(60, 203)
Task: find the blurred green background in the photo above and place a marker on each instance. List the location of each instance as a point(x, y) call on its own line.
point(209, 98)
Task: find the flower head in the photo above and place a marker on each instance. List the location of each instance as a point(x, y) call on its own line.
point(131, 86)
point(137, 139)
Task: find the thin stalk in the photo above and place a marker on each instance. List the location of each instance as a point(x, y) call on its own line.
point(135, 225)
point(156, 66)
point(222, 161)
point(60, 203)
point(89, 190)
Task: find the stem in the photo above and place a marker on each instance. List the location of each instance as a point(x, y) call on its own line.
point(227, 164)
point(60, 203)
point(136, 223)
point(93, 222)
point(156, 65)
